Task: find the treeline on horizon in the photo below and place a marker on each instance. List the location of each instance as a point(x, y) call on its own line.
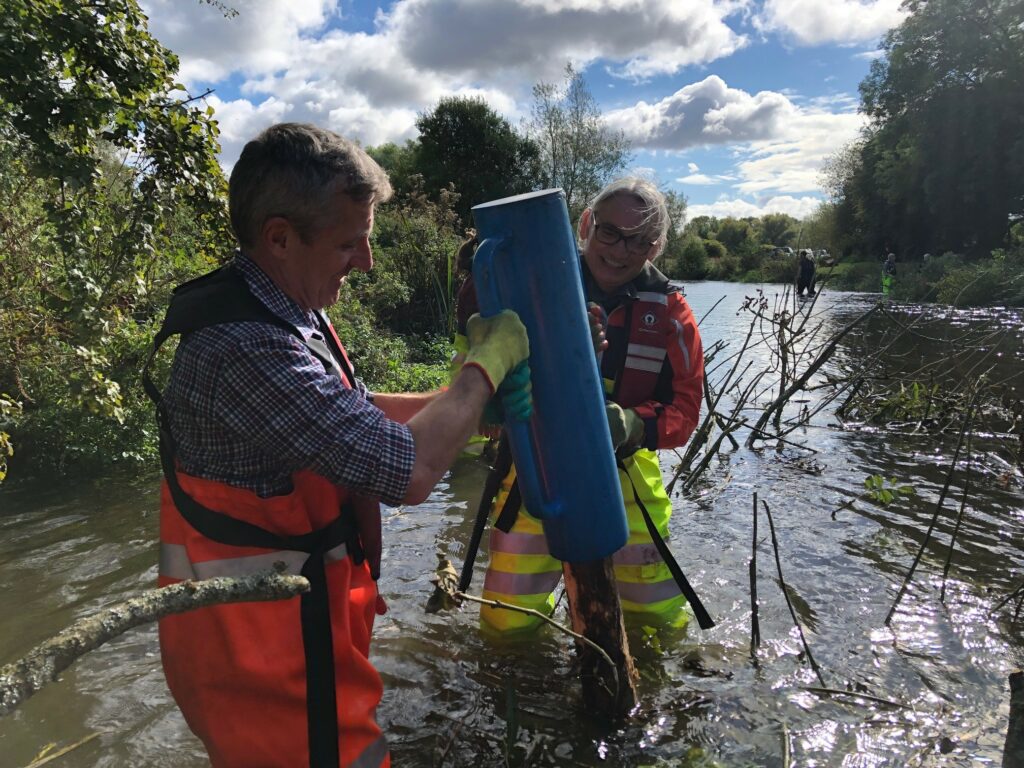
point(111, 193)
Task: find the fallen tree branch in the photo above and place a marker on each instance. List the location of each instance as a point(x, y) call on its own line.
point(447, 595)
point(1018, 591)
point(798, 384)
point(43, 664)
point(938, 510)
point(47, 756)
point(534, 612)
point(785, 593)
point(856, 695)
point(959, 519)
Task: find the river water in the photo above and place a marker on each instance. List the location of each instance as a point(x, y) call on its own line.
point(456, 698)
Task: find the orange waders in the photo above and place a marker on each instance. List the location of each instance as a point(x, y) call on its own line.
point(279, 683)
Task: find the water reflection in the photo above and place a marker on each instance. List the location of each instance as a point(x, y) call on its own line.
point(455, 698)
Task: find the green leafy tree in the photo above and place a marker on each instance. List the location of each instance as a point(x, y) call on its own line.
point(668, 262)
point(738, 236)
point(777, 229)
point(578, 152)
point(941, 166)
point(823, 230)
point(693, 260)
point(704, 227)
point(111, 193)
point(399, 160)
point(466, 146)
point(715, 249)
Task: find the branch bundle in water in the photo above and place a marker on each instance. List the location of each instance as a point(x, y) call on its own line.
point(20, 680)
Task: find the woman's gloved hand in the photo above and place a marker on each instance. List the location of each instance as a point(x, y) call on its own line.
point(496, 345)
point(514, 397)
point(598, 320)
point(626, 426)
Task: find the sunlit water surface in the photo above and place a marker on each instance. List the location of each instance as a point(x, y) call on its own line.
point(455, 698)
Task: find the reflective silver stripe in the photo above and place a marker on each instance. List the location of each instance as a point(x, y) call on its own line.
point(643, 350)
point(519, 543)
point(174, 562)
point(654, 298)
point(521, 583)
point(373, 756)
point(648, 593)
point(643, 364)
point(682, 343)
point(637, 554)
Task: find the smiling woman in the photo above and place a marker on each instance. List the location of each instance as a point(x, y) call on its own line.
point(624, 228)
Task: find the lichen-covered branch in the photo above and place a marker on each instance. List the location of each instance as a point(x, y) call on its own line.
point(20, 680)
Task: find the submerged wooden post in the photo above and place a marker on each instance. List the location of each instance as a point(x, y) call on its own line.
point(1013, 750)
point(596, 614)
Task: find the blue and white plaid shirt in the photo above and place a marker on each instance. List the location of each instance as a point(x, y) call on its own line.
point(249, 405)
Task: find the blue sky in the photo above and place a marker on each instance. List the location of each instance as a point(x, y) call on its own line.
point(734, 103)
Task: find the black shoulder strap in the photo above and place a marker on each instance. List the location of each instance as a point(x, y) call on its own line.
point(331, 343)
point(222, 296)
point(218, 297)
point(703, 617)
point(502, 465)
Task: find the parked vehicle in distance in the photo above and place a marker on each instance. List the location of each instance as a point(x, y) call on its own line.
point(783, 252)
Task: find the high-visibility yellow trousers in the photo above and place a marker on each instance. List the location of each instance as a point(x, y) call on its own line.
point(522, 572)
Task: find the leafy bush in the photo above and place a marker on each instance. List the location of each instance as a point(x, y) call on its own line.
point(689, 262)
point(853, 276)
point(714, 249)
point(779, 270)
point(413, 283)
point(978, 285)
point(724, 268)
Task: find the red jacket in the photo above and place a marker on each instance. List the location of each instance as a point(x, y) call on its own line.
point(655, 361)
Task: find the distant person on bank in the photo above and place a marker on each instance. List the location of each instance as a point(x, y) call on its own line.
point(273, 451)
point(888, 273)
point(806, 272)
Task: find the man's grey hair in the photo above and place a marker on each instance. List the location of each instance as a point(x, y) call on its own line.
point(656, 219)
point(296, 170)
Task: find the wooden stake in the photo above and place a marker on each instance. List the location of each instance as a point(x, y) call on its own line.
point(596, 613)
point(755, 624)
point(1013, 751)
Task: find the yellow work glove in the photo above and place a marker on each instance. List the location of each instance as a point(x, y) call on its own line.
point(496, 345)
point(626, 427)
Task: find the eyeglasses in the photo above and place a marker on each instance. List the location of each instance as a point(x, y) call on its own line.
point(607, 234)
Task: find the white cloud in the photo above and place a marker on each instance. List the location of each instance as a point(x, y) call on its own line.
point(780, 146)
point(792, 162)
point(702, 179)
point(813, 22)
point(798, 207)
point(371, 85)
point(870, 55)
point(265, 36)
point(640, 38)
point(703, 113)
point(240, 120)
point(294, 60)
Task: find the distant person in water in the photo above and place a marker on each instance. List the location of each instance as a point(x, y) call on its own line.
point(888, 273)
point(806, 273)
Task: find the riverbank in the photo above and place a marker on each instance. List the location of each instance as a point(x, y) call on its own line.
point(948, 279)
